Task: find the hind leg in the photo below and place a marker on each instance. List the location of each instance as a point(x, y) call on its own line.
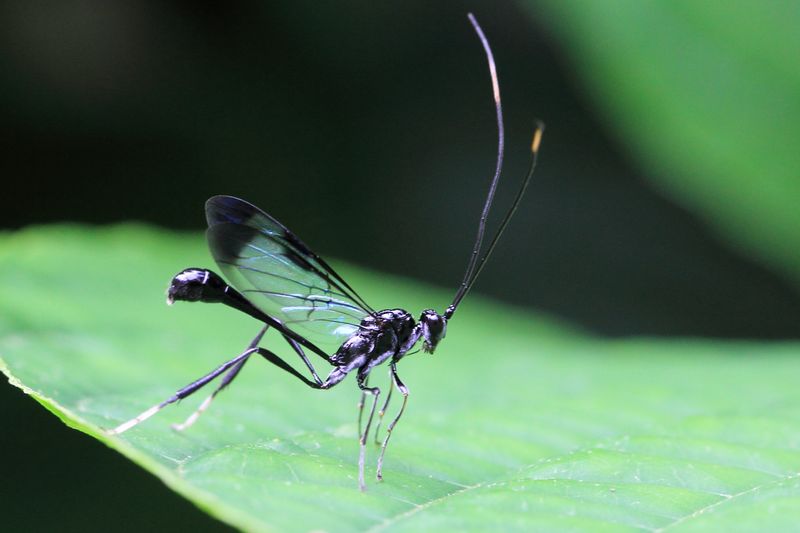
point(194, 386)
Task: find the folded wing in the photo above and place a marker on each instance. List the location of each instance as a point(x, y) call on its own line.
point(280, 275)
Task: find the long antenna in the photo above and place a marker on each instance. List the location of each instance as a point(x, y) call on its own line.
point(537, 140)
point(462, 290)
point(472, 274)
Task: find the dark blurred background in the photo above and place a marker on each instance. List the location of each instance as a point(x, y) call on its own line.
point(367, 128)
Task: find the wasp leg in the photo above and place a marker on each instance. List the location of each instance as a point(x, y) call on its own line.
point(227, 378)
point(361, 406)
point(299, 349)
point(277, 361)
point(375, 391)
point(194, 386)
point(280, 363)
point(404, 391)
point(383, 409)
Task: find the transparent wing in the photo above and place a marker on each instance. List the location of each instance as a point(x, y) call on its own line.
point(279, 274)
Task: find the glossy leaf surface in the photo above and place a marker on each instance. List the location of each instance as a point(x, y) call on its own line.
point(515, 420)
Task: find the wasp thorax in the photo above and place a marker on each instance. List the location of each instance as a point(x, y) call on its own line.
point(434, 328)
point(195, 285)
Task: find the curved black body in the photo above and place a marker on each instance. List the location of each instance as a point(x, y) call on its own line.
point(277, 279)
point(386, 335)
point(380, 336)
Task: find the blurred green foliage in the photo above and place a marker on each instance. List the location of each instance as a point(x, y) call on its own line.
point(142, 110)
point(514, 418)
point(368, 129)
point(706, 95)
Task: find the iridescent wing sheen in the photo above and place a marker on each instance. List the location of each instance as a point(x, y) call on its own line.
point(280, 275)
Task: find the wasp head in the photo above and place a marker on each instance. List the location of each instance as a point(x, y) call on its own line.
point(434, 328)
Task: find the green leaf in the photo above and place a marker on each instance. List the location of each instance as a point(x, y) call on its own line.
point(515, 421)
point(705, 95)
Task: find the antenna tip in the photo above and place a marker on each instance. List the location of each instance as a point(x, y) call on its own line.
point(537, 136)
point(474, 22)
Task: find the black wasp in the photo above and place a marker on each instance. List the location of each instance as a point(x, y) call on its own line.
point(279, 281)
